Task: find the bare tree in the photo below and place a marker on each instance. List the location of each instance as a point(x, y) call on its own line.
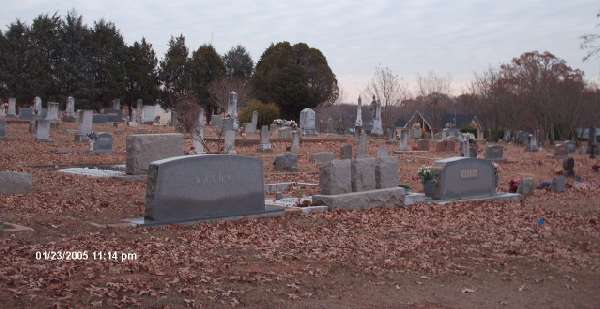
point(389, 89)
point(591, 43)
point(433, 83)
point(220, 89)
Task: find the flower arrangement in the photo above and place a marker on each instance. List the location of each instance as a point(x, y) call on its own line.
point(427, 174)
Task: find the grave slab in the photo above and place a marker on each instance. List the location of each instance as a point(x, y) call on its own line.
point(389, 197)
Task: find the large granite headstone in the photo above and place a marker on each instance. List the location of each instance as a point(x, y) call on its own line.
point(200, 187)
point(142, 149)
point(308, 120)
point(463, 177)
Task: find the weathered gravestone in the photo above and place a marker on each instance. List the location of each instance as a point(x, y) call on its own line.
point(363, 146)
point(229, 138)
point(52, 113)
point(253, 124)
point(70, 110)
point(26, 113)
point(377, 127)
point(494, 152)
point(322, 157)
point(403, 141)
point(526, 186)
point(42, 132)
point(198, 187)
point(308, 122)
point(2, 129)
point(335, 177)
point(12, 107)
point(569, 167)
point(85, 125)
point(15, 182)
point(386, 173)
point(462, 177)
point(265, 139)
point(142, 149)
point(103, 144)
point(346, 151)
point(295, 148)
point(559, 184)
point(363, 174)
point(198, 133)
point(287, 162)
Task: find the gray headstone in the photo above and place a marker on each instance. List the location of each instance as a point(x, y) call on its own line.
point(139, 110)
point(42, 132)
point(335, 177)
point(526, 186)
point(229, 140)
point(253, 124)
point(462, 177)
point(116, 104)
point(295, 148)
point(377, 127)
point(26, 113)
point(363, 146)
point(103, 143)
point(386, 173)
point(363, 174)
point(287, 162)
point(403, 141)
point(198, 133)
point(86, 118)
point(532, 145)
point(284, 133)
point(559, 184)
point(204, 186)
point(322, 157)
point(232, 110)
point(70, 108)
point(37, 106)
point(2, 129)
point(15, 182)
point(217, 121)
point(308, 121)
point(142, 149)
point(494, 152)
point(346, 151)
point(53, 109)
point(12, 107)
point(265, 141)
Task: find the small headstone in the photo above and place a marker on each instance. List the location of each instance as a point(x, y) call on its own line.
point(308, 122)
point(526, 186)
point(559, 184)
point(494, 152)
point(287, 162)
point(569, 167)
point(142, 149)
point(363, 174)
point(363, 146)
point(15, 182)
point(103, 144)
point(265, 141)
point(346, 151)
point(403, 141)
point(253, 123)
point(12, 107)
point(295, 142)
point(335, 177)
point(42, 132)
point(386, 173)
point(322, 157)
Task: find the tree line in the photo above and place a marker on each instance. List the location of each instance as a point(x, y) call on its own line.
point(55, 57)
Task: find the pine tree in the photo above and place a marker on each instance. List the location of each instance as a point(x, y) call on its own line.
point(206, 66)
point(174, 74)
point(142, 76)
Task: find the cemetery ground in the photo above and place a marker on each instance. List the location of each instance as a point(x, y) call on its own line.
point(541, 252)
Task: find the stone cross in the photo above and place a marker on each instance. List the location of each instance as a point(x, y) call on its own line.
point(377, 128)
point(295, 142)
point(358, 123)
point(363, 146)
point(232, 109)
point(12, 107)
point(70, 109)
point(198, 133)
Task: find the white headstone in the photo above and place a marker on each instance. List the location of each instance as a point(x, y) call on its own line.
point(37, 106)
point(308, 121)
point(86, 118)
point(377, 128)
point(359, 122)
point(43, 130)
point(232, 109)
point(265, 141)
point(198, 134)
point(403, 145)
point(70, 109)
point(52, 114)
point(12, 107)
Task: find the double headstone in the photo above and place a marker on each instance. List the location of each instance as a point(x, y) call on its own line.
point(461, 177)
point(386, 173)
point(308, 122)
point(204, 187)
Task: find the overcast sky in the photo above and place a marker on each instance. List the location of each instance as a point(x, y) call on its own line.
point(456, 38)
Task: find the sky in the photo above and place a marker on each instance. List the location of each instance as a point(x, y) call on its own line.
point(412, 37)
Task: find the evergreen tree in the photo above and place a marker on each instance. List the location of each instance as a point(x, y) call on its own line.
point(74, 71)
point(206, 66)
point(44, 38)
point(294, 77)
point(173, 73)
point(238, 63)
point(142, 77)
point(16, 64)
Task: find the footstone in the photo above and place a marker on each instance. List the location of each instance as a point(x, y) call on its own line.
point(559, 184)
point(15, 183)
point(287, 162)
point(388, 197)
point(386, 173)
point(335, 177)
point(363, 174)
point(197, 187)
point(346, 151)
point(142, 149)
point(322, 157)
point(103, 143)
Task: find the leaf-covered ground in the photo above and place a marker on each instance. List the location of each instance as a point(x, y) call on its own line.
point(462, 255)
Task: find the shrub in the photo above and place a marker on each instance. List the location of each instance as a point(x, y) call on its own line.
point(267, 112)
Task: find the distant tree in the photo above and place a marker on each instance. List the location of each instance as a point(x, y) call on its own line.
point(238, 63)
point(173, 73)
point(16, 61)
point(142, 75)
point(74, 69)
point(294, 77)
point(206, 66)
point(107, 66)
point(45, 40)
point(388, 89)
point(591, 43)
